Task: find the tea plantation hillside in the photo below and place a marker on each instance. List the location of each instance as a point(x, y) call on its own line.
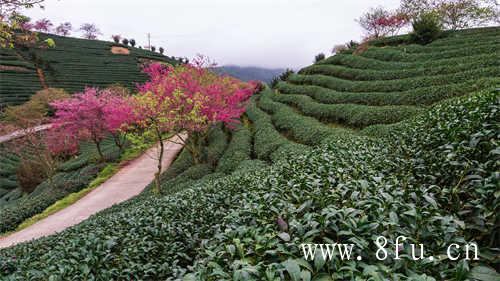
point(72, 64)
point(398, 140)
point(391, 83)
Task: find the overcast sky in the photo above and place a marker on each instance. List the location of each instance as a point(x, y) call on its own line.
point(268, 33)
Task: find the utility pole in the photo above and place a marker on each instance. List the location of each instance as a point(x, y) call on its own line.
point(149, 41)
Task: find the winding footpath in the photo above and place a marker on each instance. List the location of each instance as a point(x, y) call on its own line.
point(21, 133)
point(125, 184)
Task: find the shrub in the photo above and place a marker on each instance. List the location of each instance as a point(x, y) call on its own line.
point(417, 96)
point(238, 150)
point(44, 196)
point(404, 84)
point(345, 48)
point(153, 48)
point(125, 41)
point(116, 38)
point(161, 50)
point(282, 77)
point(354, 73)
point(302, 129)
point(319, 57)
point(38, 107)
point(426, 28)
point(217, 143)
point(349, 114)
point(267, 140)
point(30, 174)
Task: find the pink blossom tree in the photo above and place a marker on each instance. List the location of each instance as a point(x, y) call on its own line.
point(92, 115)
point(90, 31)
point(188, 99)
point(43, 25)
point(378, 22)
point(64, 29)
point(119, 115)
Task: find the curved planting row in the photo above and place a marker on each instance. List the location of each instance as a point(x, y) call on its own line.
point(354, 115)
point(450, 44)
point(269, 144)
point(303, 129)
point(418, 96)
point(396, 55)
point(360, 73)
point(396, 85)
point(72, 64)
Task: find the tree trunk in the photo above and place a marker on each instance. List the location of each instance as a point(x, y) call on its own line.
point(99, 150)
point(156, 189)
point(119, 144)
point(41, 76)
point(193, 146)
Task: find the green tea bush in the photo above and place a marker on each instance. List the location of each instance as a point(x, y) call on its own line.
point(392, 85)
point(302, 129)
point(349, 114)
point(183, 161)
point(72, 64)
point(367, 63)
point(75, 174)
point(63, 184)
point(350, 190)
point(418, 96)
point(238, 150)
point(268, 142)
point(458, 44)
point(217, 143)
point(395, 55)
point(346, 72)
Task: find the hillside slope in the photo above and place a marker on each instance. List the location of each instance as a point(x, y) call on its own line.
point(400, 140)
point(73, 64)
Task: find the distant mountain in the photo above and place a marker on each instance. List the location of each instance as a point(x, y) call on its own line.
point(247, 73)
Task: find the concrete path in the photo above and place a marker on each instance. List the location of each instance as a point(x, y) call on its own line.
point(21, 133)
point(125, 184)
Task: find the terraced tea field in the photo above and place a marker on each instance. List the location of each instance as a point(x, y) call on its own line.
point(73, 64)
point(398, 140)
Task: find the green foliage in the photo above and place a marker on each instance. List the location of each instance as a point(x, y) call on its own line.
point(217, 143)
point(404, 84)
point(364, 73)
point(238, 150)
point(432, 177)
point(350, 114)
point(63, 184)
point(29, 175)
point(268, 142)
point(224, 228)
point(37, 108)
point(74, 175)
point(426, 28)
point(302, 129)
point(417, 96)
point(282, 77)
point(71, 65)
point(319, 57)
